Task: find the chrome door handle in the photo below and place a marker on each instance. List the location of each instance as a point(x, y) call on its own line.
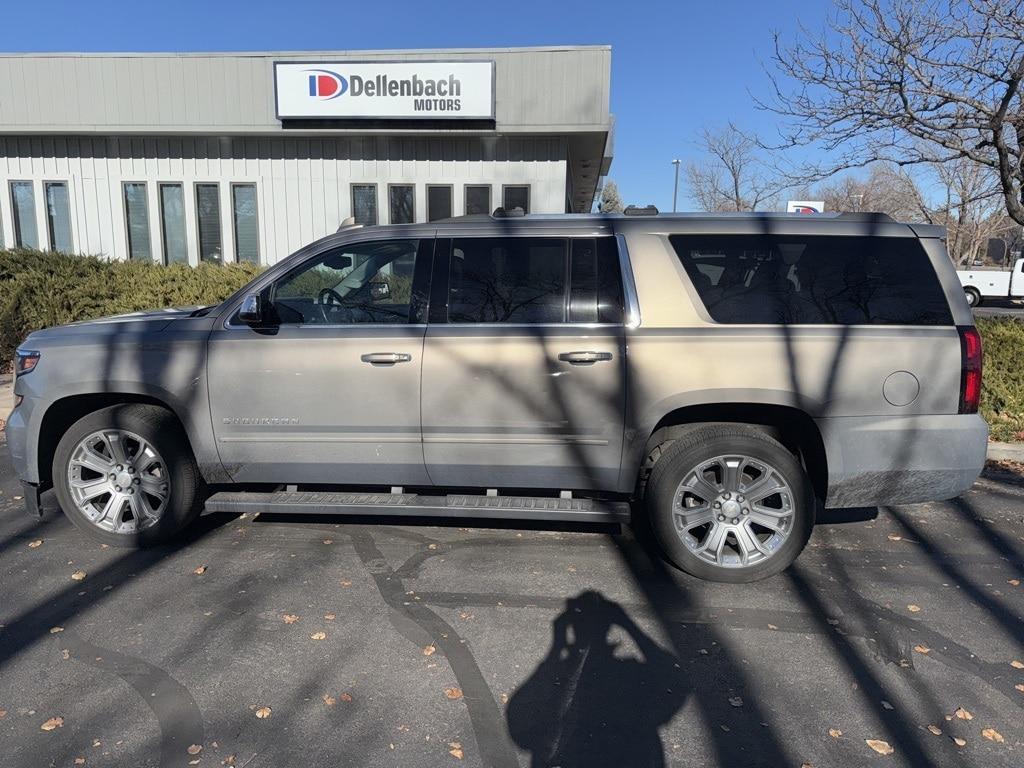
point(385, 358)
point(584, 358)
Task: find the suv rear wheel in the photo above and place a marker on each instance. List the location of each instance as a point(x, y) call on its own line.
point(729, 503)
point(125, 475)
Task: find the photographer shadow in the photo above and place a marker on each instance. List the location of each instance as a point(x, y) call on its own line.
point(593, 702)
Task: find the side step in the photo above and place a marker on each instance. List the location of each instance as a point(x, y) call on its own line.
point(456, 505)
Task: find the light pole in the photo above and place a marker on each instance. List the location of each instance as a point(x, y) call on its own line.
point(675, 190)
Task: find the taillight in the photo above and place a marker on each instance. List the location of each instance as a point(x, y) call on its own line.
point(970, 368)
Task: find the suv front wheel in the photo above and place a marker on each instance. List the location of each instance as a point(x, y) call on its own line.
point(125, 475)
point(729, 503)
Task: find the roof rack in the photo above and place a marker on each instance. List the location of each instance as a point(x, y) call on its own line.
point(634, 210)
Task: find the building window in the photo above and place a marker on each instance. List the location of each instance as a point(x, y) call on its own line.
point(439, 202)
point(23, 206)
point(208, 220)
point(478, 198)
point(402, 203)
point(364, 203)
point(136, 214)
point(516, 196)
point(172, 220)
point(58, 216)
point(247, 230)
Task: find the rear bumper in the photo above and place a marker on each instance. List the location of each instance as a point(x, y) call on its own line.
point(901, 460)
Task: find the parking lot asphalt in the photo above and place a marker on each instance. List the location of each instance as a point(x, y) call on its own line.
point(329, 641)
point(1000, 308)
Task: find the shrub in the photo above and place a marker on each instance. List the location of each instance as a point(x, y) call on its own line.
point(1002, 391)
point(41, 289)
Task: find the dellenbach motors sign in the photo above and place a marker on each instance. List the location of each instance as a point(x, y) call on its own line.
point(427, 90)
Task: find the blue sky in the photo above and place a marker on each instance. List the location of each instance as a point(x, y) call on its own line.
point(676, 66)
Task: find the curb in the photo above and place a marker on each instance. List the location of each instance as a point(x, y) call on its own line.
point(1006, 451)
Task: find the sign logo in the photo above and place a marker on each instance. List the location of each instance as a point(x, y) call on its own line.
point(326, 85)
point(805, 206)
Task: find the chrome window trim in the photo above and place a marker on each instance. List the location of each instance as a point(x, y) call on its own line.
point(632, 318)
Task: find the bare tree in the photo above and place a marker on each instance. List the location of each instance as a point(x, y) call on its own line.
point(910, 82)
point(887, 189)
point(732, 176)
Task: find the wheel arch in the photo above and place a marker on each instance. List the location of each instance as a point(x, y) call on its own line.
point(791, 426)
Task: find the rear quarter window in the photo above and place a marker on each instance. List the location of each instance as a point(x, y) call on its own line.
point(813, 280)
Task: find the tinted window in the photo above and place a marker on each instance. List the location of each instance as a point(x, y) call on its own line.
point(136, 212)
point(23, 206)
point(364, 203)
point(58, 216)
point(359, 283)
point(172, 219)
point(478, 199)
point(439, 203)
point(814, 280)
point(507, 280)
point(595, 295)
point(247, 230)
point(208, 221)
point(402, 204)
point(516, 197)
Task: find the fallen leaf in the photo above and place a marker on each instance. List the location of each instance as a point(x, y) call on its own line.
point(318, 636)
point(429, 650)
point(55, 630)
point(922, 649)
point(1020, 687)
point(456, 752)
point(886, 705)
point(993, 735)
point(935, 730)
point(78, 575)
point(465, 615)
point(772, 626)
point(963, 714)
point(346, 583)
point(735, 701)
point(52, 724)
point(35, 544)
point(958, 741)
point(329, 617)
point(894, 537)
point(1017, 664)
point(329, 700)
point(913, 608)
point(453, 693)
point(328, 541)
point(1014, 582)
point(289, 618)
point(3, 714)
point(881, 747)
point(263, 713)
point(79, 761)
point(65, 654)
point(835, 733)
point(194, 749)
point(346, 697)
point(200, 570)
point(229, 760)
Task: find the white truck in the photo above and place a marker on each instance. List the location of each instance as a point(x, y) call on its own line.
point(982, 284)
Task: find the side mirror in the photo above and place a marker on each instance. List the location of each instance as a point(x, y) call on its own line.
point(252, 311)
point(379, 291)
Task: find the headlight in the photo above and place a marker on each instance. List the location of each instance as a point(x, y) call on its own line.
point(25, 361)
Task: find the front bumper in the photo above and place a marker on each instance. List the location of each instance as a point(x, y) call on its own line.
point(901, 460)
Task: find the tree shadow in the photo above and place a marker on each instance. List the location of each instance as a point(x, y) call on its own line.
point(581, 706)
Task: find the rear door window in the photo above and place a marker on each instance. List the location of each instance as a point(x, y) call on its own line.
point(813, 280)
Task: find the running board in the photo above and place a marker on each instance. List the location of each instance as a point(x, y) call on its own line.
point(415, 505)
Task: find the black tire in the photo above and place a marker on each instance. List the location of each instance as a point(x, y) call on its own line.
point(162, 430)
point(973, 297)
point(704, 444)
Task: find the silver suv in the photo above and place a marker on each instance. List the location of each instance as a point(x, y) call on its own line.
point(721, 375)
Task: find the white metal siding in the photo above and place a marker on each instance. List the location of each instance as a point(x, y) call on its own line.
point(303, 184)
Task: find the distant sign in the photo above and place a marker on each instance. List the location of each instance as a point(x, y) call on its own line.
point(406, 90)
point(805, 206)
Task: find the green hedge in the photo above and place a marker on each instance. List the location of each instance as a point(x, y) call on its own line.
point(41, 289)
point(1002, 391)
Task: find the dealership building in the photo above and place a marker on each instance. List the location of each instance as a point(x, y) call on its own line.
point(249, 156)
